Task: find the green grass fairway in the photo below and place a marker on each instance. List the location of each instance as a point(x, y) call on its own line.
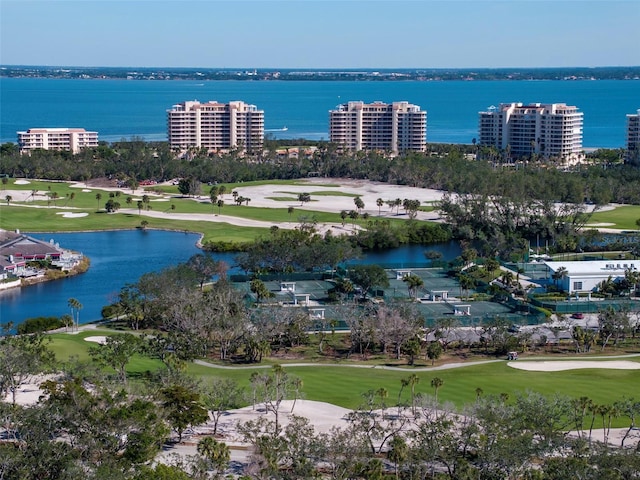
point(45, 220)
point(622, 217)
point(323, 193)
point(343, 385)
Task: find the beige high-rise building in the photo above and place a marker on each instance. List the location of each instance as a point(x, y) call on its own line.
point(215, 126)
point(397, 127)
point(633, 138)
point(72, 139)
point(552, 130)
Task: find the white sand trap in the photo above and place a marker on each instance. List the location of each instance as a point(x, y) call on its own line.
point(323, 416)
point(101, 339)
point(561, 365)
point(72, 214)
point(86, 190)
point(22, 182)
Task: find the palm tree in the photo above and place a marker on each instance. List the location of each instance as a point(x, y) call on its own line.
point(379, 203)
point(220, 204)
point(290, 211)
point(344, 215)
point(413, 381)
point(560, 274)
point(414, 282)
point(75, 306)
point(467, 282)
point(217, 453)
point(436, 383)
point(397, 202)
point(8, 198)
point(359, 203)
point(507, 278)
point(353, 215)
point(98, 198)
point(479, 393)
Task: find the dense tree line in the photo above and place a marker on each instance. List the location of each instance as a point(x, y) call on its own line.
point(444, 167)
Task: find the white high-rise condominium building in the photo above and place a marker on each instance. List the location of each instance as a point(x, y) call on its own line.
point(215, 126)
point(633, 138)
point(552, 130)
point(72, 139)
point(397, 127)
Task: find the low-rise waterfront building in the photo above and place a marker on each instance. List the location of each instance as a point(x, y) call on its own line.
point(17, 250)
point(576, 277)
point(633, 138)
point(215, 126)
point(396, 127)
point(552, 130)
point(73, 139)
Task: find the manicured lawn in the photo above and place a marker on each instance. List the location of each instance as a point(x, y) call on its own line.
point(282, 199)
point(622, 217)
point(324, 193)
point(46, 220)
point(66, 346)
point(343, 385)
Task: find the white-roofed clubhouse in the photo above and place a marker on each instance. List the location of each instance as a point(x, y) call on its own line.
point(585, 276)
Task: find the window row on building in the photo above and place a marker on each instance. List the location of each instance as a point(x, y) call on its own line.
point(633, 138)
point(215, 126)
point(72, 139)
point(551, 130)
point(543, 130)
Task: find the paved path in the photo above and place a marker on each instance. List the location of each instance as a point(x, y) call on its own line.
point(372, 367)
point(448, 366)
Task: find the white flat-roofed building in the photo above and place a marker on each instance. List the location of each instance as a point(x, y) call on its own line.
point(633, 138)
point(585, 276)
point(397, 127)
point(552, 130)
point(215, 126)
point(73, 139)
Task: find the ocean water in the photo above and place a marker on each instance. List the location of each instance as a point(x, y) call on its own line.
point(119, 109)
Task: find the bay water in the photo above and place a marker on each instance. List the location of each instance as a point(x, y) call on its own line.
point(119, 109)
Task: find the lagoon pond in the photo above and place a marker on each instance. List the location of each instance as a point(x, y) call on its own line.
point(122, 257)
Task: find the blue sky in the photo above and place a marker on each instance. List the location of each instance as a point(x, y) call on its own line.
point(320, 33)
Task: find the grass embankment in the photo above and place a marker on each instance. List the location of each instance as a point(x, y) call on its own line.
point(343, 385)
point(624, 217)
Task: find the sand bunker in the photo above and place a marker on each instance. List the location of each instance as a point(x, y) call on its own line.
point(86, 190)
point(558, 366)
point(101, 339)
point(72, 215)
point(22, 182)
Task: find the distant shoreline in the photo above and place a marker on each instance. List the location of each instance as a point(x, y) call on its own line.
point(335, 74)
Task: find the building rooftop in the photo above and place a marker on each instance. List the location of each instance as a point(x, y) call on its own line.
point(595, 267)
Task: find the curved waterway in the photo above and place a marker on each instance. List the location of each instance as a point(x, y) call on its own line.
point(121, 257)
point(117, 258)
